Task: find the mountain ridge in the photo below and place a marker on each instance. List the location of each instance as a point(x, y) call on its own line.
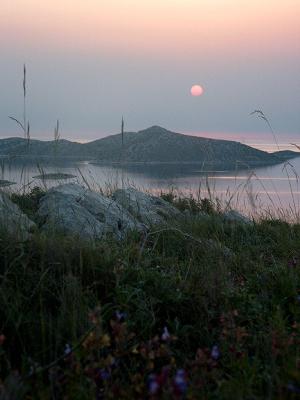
point(153, 144)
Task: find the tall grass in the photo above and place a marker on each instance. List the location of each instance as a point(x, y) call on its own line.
point(230, 321)
point(25, 126)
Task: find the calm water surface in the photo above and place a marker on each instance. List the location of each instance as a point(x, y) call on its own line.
point(272, 189)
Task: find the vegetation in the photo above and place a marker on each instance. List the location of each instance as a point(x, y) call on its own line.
point(161, 317)
point(28, 202)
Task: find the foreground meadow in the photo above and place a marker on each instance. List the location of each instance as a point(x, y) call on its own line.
point(208, 308)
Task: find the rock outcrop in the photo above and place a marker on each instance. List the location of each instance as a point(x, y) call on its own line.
point(75, 210)
point(148, 209)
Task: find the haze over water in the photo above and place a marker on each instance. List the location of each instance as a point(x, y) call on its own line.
point(273, 189)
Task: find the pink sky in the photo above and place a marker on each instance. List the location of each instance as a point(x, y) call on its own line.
point(237, 26)
point(92, 61)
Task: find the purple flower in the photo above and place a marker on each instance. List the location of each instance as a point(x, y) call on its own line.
point(104, 374)
point(120, 316)
point(68, 349)
point(180, 382)
point(153, 385)
point(165, 335)
point(215, 353)
point(293, 388)
point(293, 262)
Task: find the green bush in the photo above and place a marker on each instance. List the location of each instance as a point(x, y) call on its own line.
point(28, 202)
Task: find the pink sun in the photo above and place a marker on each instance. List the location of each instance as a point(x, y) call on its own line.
point(197, 90)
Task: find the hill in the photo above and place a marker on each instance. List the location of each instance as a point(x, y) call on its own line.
point(286, 154)
point(158, 145)
point(22, 147)
point(152, 145)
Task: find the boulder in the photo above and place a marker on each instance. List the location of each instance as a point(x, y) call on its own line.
point(12, 220)
point(148, 209)
point(75, 210)
point(235, 216)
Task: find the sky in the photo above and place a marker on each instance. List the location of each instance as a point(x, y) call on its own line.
point(91, 61)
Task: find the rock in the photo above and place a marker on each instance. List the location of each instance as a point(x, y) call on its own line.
point(215, 246)
point(75, 210)
point(235, 216)
point(148, 209)
point(62, 213)
point(71, 189)
point(12, 220)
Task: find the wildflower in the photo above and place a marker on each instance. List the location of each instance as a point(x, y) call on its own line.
point(293, 262)
point(298, 298)
point(120, 316)
point(104, 341)
point(153, 385)
point(291, 387)
point(68, 349)
point(215, 353)
point(180, 382)
point(104, 374)
point(165, 335)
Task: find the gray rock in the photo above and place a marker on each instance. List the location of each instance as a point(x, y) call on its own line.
point(235, 216)
point(215, 246)
point(75, 210)
point(148, 209)
point(12, 220)
point(71, 189)
point(64, 214)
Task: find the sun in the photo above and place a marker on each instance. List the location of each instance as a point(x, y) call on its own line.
point(197, 90)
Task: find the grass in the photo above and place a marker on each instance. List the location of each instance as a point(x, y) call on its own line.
point(28, 202)
point(177, 320)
